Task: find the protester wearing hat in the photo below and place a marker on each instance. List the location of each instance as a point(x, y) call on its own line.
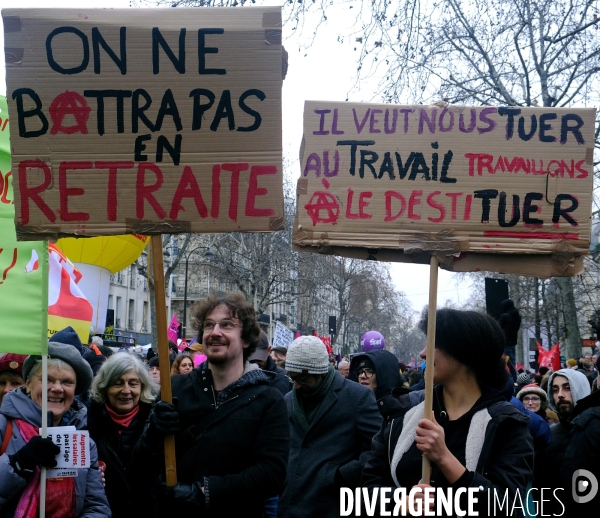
point(262, 358)
point(25, 452)
point(534, 399)
point(523, 379)
point(477, 439)
point(11, 373)
point(154, 369)
point(332, 422)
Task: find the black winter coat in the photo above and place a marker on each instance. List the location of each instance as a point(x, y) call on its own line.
point(575, 446)
point(281, 381)
point(115, 450)
point(236, 445)
point(505, 461)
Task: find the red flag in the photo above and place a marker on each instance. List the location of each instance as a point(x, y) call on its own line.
point(550, 359)
point(326, 340)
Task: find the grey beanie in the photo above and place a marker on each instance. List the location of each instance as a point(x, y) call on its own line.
point(69, 354)
point(308, 355)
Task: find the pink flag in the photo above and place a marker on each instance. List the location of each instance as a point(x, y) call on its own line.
point(172, 331)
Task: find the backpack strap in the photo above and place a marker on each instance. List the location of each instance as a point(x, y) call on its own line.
point(7, 436)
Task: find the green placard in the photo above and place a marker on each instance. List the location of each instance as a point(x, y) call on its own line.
point(23, 269)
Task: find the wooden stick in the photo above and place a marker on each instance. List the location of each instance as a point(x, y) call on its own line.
point(44, 432)
point(163, 349)
point(433, 285)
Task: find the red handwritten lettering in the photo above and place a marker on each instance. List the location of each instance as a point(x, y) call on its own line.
point(144, 192)
point(33, 193)
point(254, 190)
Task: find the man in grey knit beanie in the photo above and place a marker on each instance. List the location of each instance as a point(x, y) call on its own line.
point(332, 422)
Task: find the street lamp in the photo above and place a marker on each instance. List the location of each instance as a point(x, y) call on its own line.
point(208, 255)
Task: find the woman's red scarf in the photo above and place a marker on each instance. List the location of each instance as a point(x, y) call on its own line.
point(61, 500)
point(122, 420)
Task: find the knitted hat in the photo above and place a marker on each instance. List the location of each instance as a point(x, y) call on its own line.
point(531, 389)
point(70, 355)
point(571, 362)
point(12, 363)
point(523, 379)
point(153, 362)
point(68, 335)
point(308, 355)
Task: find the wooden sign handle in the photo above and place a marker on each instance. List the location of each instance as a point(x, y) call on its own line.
point(433, 285)
point(163, 349)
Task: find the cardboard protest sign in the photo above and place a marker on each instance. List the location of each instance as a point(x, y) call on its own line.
point(283, 336)
point(23, 269)
point(145, 120)
point(445, 180)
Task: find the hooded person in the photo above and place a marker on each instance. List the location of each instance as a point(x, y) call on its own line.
point(377, 370)
point(574, 446)
point(24, 451)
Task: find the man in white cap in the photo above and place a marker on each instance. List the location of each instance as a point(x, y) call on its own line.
point(332, 422)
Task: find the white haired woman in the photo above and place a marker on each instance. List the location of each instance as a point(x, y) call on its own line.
point(123, 393)
point(24, 451)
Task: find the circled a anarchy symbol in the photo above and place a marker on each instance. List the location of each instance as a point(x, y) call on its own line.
point(323, 201)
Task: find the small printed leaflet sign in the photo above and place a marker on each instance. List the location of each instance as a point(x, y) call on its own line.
point(74, 451)
point(283, 336)
point(445, 179)
point(145, 121)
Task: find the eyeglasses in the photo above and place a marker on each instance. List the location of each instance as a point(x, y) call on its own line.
point(227, 326)
point(299, 379)
point(368, 373)
point(532, 399)
point(65, 383)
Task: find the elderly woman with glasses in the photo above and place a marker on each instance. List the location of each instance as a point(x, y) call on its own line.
point(123, 393)
point(24, 452)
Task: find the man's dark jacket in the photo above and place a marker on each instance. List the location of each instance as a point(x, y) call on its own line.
point(115, 450)
point(332, 453)
point(235, 443)
point(281, 381)
point(575, 445)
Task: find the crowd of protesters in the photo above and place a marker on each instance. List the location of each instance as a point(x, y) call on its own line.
point(264, 432)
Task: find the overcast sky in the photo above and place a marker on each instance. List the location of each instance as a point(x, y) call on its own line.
point(325, 71)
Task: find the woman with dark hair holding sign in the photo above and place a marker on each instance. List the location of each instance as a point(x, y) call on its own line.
point(476, 439)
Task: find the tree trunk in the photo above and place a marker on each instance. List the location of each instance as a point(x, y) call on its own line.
point(572, 336)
